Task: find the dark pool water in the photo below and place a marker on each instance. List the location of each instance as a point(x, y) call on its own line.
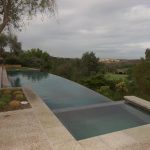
point(84, 112)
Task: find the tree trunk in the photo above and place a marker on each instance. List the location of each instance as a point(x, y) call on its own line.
point(2, 26)
point(6, 14)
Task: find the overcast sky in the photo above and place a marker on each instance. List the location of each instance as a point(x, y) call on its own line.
point(110, 28)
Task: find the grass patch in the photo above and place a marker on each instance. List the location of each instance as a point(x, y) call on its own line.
point(111, 76)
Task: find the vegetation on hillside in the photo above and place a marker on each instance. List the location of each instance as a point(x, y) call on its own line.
point(87, 70)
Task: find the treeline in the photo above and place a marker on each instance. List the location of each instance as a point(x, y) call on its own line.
point(139, 78)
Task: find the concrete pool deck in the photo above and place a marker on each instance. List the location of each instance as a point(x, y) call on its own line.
point(4, 78)
point(135, 138)
point(20, 130)
point(38, 128)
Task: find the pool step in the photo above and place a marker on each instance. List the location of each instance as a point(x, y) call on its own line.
point(138, 102)
point(87, 107)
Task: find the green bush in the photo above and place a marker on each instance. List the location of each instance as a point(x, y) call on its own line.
point(6, 92)
point(106, 91)
point(12, 60)
point(19, 97)
point(2, 104)
point(5, 98)
point(17, 92)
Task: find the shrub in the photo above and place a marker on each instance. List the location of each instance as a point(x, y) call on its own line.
point(6, 98)
point(105, 90)
point(6, 92)
point(2, 104)
point(19, 97)
point(17, 92)
point(12, 60)
point(14, 104)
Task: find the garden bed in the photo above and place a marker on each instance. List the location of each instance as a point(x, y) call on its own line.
point(13, 99)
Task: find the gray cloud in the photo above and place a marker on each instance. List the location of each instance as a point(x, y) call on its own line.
point(110, 28)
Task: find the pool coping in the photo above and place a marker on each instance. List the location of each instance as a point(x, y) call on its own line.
point(60, 138)
point(138, 102)
point(4, 78)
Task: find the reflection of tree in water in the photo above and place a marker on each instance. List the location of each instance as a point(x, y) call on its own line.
point(30, 74)
point(15, 82)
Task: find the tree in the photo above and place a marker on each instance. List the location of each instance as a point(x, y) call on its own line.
point(90, 63)
point(3, 43)
point(147, 54)
point(12, 12)
point(36, 58)
point(94, 82)
point(142, 77)
point(15, 46)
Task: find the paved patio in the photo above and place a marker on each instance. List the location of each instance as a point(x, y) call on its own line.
point(21, 130)
point(37, 128)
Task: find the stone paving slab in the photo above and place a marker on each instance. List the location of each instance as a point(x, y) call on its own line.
point(138, 101)
point(94, 144)
point(69, 145)
point(140, 134)
point(117, 140)
point(20, 130)
point(137, 138)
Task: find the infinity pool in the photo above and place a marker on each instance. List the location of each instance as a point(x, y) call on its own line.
point(57, 92)
point(83, 112)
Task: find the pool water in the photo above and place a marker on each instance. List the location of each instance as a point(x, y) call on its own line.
point(91, 122)
point(84, 112)
point(57, 92)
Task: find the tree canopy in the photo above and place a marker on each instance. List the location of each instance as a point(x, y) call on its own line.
point(12, 42)
point(147, 54)
point(15, 46)
point(142, 76)
point(90, 63)
point(3, 43)
point(12, 12)
point(36, 58)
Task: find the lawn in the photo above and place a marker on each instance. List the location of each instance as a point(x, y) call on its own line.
point(111, 76)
